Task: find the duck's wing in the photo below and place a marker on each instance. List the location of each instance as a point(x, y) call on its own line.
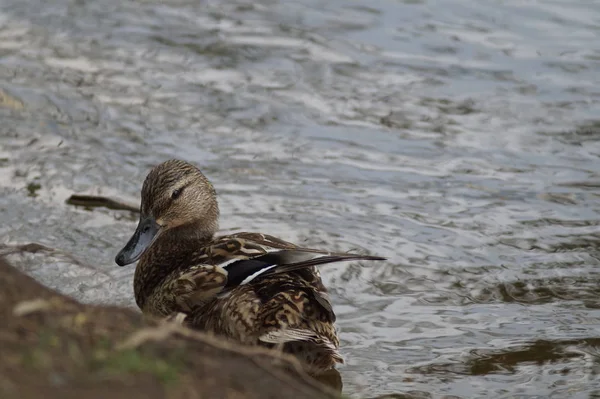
point(271, 295)
point(240, 259)
point(245, 257)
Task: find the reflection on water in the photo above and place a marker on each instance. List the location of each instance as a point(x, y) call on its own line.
point(459, 139)
point(506, 361)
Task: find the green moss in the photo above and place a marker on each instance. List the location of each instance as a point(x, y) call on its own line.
point(48, 339)
point(38, 356)
point(34, 358)
point(134, 362)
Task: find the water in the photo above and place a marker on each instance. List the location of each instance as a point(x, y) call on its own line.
point(459, 139)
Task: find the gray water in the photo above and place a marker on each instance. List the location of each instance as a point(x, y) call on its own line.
point(458, 138)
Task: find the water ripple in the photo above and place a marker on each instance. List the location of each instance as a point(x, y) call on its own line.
point(460, 140)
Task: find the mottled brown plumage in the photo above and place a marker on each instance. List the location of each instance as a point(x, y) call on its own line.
point(250, 287)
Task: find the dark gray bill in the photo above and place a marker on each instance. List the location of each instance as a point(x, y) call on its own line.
point(145, 234)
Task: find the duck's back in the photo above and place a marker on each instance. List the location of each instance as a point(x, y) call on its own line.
point(291, 312)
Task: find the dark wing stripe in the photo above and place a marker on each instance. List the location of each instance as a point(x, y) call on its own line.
point(240, 270)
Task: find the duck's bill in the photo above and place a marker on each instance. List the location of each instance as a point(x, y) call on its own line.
point(146, 232)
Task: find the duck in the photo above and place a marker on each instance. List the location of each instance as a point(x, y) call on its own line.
point(249, 287)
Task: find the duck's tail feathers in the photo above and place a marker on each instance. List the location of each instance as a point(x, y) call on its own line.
point(316, 351)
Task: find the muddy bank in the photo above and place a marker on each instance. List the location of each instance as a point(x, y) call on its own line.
point(54, 347)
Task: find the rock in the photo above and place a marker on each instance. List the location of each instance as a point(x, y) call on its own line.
point(54, 347)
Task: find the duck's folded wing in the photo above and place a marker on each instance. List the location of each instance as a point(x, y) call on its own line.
point(244, 271)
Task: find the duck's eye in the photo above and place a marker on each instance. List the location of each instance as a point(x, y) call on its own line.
point(176, 193)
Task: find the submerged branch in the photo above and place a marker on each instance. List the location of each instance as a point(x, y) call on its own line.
point(99, 201)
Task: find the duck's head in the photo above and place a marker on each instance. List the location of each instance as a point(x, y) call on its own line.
point(177, 199)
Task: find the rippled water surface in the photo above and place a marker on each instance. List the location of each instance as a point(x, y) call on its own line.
point(460, 139)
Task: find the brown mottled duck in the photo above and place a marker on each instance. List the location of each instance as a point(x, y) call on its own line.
point(250, 287)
